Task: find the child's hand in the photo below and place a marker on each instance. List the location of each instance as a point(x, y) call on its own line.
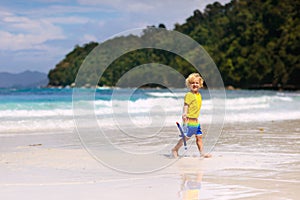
point(184, 118)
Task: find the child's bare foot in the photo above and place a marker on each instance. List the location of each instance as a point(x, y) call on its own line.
point(175, 153)
point(206, 155)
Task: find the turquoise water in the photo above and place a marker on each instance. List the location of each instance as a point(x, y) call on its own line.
point(48, 108)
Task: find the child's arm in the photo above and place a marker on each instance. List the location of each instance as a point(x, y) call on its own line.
point(184, 115)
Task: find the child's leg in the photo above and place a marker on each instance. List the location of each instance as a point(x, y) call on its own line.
point(199, 143)
point(200, 146)
point(178, 146)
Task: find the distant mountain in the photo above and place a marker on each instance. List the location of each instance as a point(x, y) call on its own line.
point(26, 79)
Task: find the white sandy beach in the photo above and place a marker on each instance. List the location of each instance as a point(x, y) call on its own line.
point(250, 161)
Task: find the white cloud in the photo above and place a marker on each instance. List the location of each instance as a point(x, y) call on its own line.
point(24, 33)
point(140, 7)
point(69, 20)
point(157, 6)
point(88, 38)
point(52, 27)
point(151, 12)
point(67, 9)
point(37, 26)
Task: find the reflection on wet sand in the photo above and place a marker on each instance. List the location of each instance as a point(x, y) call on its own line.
point(191, 186)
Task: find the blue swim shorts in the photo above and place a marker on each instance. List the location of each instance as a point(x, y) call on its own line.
point(193, 128)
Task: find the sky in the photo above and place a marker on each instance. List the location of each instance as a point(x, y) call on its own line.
point(37, 34)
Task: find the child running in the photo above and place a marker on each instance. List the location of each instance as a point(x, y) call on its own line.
point(191, 111)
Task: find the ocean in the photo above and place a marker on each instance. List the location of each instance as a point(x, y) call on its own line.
point(51, 109)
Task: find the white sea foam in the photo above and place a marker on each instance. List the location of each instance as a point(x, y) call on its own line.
point(167, 94)
point(168, 106)
point(35, 113)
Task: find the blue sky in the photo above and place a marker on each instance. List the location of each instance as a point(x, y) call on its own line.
point(37, 34)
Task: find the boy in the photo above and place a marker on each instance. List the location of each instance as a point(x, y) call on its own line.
point(191, 111)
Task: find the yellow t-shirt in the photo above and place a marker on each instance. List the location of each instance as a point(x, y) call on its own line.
point(194, 102)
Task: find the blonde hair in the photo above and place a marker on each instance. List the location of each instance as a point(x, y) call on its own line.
point(192, 77)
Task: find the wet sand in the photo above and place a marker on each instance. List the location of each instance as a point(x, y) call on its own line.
point(250, 161)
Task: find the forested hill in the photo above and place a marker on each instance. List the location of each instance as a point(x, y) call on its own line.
point(255, 44)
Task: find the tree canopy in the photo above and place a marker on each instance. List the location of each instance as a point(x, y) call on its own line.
point(255, 44)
